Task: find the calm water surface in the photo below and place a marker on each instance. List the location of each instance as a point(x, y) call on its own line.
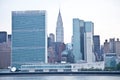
point(68, 77)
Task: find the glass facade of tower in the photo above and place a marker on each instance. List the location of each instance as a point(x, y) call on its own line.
point(96, 41)
point(89, 27)
point(3, 37)
point(83, 40)
point(82, 30)
point(28, 37)
point(76, 40)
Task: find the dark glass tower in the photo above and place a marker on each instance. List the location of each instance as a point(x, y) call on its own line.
point(3, 37)
point(96, 41)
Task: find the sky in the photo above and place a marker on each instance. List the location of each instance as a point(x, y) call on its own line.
point(105, 14)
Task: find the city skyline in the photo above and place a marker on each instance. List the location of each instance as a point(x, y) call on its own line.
point(104, 14)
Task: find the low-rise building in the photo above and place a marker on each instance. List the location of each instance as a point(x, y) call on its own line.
point(61, 67)
point(110, 59)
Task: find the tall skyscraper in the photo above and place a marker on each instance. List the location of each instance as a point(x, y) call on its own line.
point(83, 40)
point(89, 31)
point(78, 37)
point(59, 29)
point(3, 36)
point(96, 41)
point(29, 40)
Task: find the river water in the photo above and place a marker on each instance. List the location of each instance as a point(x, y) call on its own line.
point(61, 77)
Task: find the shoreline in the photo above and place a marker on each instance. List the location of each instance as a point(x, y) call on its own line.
point(62, 73)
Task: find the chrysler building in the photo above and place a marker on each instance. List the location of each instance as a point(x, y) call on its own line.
point(59, 29)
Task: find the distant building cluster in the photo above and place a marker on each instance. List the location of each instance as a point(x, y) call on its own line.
point(58, 52)
point(112, 46)
point(29, 44)
point(111, 50)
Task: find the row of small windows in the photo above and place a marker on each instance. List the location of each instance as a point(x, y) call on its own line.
point(51, 70)
point(46, 67)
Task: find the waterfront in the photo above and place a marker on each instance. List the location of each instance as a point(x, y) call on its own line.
point(61, 77)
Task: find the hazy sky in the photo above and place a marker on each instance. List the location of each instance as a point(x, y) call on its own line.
point(105, 14)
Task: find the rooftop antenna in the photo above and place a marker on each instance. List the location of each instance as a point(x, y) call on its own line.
point(59, 5)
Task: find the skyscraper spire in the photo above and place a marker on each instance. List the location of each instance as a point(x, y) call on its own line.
point(59, 29)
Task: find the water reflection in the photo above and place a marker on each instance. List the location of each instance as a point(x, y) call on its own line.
point(61, 78)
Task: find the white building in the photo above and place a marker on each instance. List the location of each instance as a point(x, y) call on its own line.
point(88, 42)
point(62, 67)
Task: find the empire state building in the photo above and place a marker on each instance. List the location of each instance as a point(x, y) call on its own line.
point(59, 29)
